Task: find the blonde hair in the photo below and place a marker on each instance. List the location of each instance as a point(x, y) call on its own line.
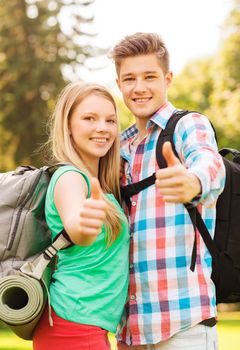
point(63, 151)
point(141, 44)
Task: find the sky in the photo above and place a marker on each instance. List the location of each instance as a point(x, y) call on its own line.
point(191, 29)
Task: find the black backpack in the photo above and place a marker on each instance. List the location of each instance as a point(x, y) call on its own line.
point(225, 247)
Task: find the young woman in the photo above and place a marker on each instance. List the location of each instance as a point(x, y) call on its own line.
point(89, 286)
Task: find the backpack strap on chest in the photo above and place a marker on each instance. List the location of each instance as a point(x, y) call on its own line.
point(167, 135)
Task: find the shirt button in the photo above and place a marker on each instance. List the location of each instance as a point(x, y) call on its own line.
point(134, 203)
point(131, 266)
point(133, 297)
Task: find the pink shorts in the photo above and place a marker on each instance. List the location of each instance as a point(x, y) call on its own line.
point(67, 335)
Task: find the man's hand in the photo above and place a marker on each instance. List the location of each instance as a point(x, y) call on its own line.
point(176, 183)
point(93, 211)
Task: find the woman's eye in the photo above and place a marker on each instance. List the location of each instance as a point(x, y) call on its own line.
point(88, 118)
point(113, 121)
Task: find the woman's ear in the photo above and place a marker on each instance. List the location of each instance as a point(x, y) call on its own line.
point(69, 129)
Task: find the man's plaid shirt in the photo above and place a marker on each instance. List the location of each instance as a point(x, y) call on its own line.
point(165, 296)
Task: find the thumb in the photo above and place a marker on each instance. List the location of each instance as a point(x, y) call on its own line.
point(96, 191)
point(168, 154)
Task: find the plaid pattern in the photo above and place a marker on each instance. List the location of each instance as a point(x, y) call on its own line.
point(165, 296)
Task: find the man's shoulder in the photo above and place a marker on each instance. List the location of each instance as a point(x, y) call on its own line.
point(192, 120)
point(128, 133)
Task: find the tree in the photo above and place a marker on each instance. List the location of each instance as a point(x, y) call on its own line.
point(193, 86)
point(125, 116)
point(212, 86)
point(225, 97)
point(38, 51)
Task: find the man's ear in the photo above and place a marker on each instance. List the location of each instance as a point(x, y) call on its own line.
point(168, 78)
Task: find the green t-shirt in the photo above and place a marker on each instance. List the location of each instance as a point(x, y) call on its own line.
point(90, 283)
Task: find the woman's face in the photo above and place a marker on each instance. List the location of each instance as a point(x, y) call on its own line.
point(93, 128)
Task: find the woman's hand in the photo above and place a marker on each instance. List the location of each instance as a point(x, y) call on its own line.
point(93, 211)
point(82, 217)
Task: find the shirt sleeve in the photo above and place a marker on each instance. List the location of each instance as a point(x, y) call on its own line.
point(195, 142)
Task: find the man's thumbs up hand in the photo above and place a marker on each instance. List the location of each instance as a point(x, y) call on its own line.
point(168, 154)
point(176, 183)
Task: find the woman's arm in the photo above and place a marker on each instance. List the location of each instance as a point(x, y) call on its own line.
point(82, 217)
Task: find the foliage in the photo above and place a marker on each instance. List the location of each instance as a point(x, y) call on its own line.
point(212, 86)
point(225, 97)
point(125, 116)
point(40, 51)
point(37, 50)
point(191, 89)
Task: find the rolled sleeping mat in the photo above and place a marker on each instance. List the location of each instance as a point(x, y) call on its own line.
point(22, 301)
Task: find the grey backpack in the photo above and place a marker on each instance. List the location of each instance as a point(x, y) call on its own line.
point(25, 248)
point(24, 234)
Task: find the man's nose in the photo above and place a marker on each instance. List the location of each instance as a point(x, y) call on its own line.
point(139, 85)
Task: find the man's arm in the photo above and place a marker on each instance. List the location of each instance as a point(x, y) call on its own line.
point(200, 176)
point(176, 183)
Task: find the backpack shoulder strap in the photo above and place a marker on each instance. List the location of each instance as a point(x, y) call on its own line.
point(36, 268)
point(167, 135)
point(197, 221)
point(128, 191)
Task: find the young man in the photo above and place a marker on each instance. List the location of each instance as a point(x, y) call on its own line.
point(169, 305)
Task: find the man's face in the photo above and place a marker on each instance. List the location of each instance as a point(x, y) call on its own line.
point(143, 84)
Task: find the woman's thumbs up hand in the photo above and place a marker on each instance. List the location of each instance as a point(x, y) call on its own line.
point(93, 212)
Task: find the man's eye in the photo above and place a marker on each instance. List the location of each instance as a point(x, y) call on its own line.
point(128, 79)
point(150, 77)
point(112, 121)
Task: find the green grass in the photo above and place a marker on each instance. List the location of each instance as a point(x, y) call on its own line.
point(9, 341)
point(228, 335)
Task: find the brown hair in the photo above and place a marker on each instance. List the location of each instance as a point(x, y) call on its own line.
point(140, 44)
point(62, 149)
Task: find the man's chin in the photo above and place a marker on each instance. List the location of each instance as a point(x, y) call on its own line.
point(143, 114)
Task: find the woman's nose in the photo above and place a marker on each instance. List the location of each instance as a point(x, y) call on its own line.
point(102, 126)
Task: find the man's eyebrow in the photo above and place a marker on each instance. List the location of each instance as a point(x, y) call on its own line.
point(150, 72)
point(145, 72)
point(127, 74)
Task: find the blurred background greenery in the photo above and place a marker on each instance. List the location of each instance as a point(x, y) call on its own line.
point(38, 56)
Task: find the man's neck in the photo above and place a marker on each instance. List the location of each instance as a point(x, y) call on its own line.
point(142, 128)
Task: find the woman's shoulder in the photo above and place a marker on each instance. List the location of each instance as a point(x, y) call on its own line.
point(66, 168)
